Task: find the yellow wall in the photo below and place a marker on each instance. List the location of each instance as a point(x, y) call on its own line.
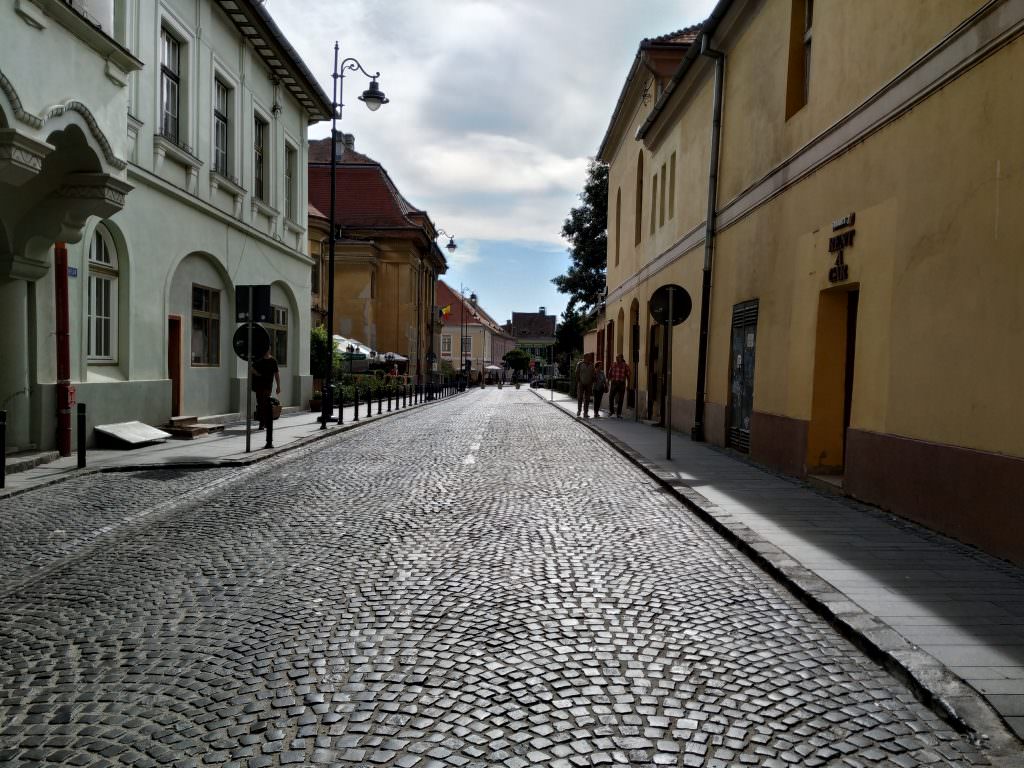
point(937, 195)
point(856, 49)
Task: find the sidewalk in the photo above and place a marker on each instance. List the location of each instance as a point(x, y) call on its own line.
point(933, 610)
point(217, 449)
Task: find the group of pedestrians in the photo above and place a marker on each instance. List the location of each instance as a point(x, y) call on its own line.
point(593, 382)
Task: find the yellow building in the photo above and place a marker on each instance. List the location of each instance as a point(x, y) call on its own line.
point(386, 258)
point(860, 285)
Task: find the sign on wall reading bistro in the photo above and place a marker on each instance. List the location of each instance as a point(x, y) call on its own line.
point(837, 244)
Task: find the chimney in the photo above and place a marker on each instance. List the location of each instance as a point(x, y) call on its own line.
point(345, 141)
point(541, 311)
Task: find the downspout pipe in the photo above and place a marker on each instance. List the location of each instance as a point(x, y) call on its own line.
point(697, 433)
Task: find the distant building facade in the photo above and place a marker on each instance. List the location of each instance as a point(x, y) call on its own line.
point(534, 333)
point(173, 167)
point(386, 258)
point(857, 289)
point(468, 337)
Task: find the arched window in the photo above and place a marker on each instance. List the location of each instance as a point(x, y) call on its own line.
point(102, 301)
point(638, 219)
point(618, 222)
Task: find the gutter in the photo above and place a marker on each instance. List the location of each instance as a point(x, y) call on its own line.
point(697, 432)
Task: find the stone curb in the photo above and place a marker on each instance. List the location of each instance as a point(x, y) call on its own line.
point(257, 455)
point(950, 697)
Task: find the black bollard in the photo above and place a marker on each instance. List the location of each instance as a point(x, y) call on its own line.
point(389, 401)
point(380, 402)
point(341, 405)
point(81, 435)
point(356, 417)
point(270, 426)
point(3, 449)
point(369, 404)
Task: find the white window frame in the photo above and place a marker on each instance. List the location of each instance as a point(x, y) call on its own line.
point(260, 170)
point(214, 318)
point(446, 341)
point(222, 155)
point(278, 326)
point(467, 346)
point(102, 288)
point(169, 75)
point(291, 185)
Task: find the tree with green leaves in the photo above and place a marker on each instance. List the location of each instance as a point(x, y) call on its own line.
point(586, 230)
point(569, 336)
point(517, 360)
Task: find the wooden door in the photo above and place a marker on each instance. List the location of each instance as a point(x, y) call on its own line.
point(174, 361)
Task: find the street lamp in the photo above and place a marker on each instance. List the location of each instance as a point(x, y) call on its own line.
point(451, 246)
point(373, 97)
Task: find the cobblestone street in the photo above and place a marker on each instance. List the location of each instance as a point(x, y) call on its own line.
point(479, 582)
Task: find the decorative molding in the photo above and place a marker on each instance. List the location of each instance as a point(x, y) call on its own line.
point(21, 157)
point(115, 74)
point(30, 13)
point(94, 128)
point(294, 227)
point(259, 206)
point(688, 242)
point(19, 111)
point(94, 187)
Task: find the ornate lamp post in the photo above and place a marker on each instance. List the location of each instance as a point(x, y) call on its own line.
point(374, 98)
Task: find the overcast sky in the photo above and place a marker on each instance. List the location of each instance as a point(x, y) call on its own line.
point(495, 107)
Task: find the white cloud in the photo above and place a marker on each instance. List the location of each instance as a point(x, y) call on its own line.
point(495, 104)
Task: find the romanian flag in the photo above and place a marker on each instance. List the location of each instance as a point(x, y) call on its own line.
point(445, 311)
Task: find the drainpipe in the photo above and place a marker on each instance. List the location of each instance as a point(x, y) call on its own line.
point(64, 391)
point(697, 433)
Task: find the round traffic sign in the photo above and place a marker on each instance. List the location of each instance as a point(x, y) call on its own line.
point(260, 341)
point(682, 304)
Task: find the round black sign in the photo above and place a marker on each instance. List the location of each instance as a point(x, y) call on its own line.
point(681, 304)
point(260, 341)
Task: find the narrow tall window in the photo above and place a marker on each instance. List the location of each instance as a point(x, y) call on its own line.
point(221, 101)
point(661, 198)
point(259, 159)
point(205, 326)
point(317, 258)
point(654, 201)
point(672, 186)
point(618, 223)
point(289, 183)
point(446, 344)
point(808, 19)
point(639, 217)
point(798, 82)
point(102, 301)
point(279, 335)
point(170, 85)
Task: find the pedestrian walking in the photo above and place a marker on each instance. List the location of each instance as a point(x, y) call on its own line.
point(600, 386)
point(584, 384)
point(618, 376)
point(265, 374)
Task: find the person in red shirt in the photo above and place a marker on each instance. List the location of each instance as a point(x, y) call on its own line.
point(618, 376)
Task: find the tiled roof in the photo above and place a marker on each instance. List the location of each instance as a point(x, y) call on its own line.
point(532, 325)
point(474, 313)
point(684, 36)
point(682, 39)
point(365, 194)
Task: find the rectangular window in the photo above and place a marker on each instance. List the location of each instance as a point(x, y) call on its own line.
point(102, 315)
point(467, 346)
point(259, 159)
point(289, 183)
point(672, 186)
point(221, 102)
point(446, 344)
point(661, 199)
point(170, 85)
point(279, 335)
point(205, 326)
point(654, 202)
point(799, 78)
point(317, 258)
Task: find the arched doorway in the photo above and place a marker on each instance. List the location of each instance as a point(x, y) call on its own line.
point(634, 351)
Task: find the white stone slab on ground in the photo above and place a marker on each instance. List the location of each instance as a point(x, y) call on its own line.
point(133, 432)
